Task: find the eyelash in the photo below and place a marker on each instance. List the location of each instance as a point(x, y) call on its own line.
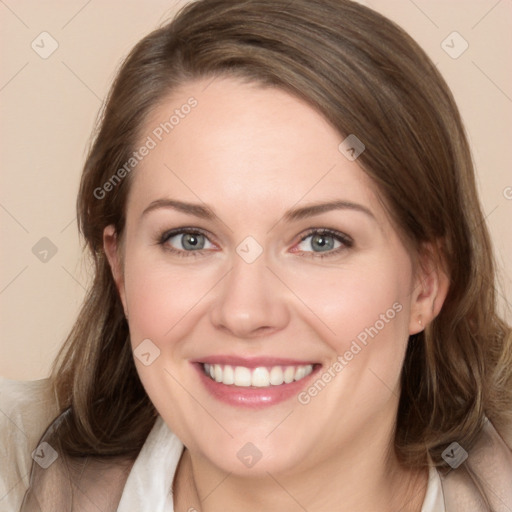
point(338, 236)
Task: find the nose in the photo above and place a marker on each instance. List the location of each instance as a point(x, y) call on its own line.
point(251, 301)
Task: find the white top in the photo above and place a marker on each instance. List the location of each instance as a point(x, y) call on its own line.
point(149, 482)
point(27, 408)
point(434, 499)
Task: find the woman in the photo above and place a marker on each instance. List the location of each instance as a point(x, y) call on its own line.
point(293, 305)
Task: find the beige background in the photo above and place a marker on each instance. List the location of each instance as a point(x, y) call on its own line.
point(48, 108)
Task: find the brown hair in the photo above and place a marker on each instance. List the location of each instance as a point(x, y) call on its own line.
point(368, 78)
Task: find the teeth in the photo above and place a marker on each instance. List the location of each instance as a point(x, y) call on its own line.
point(289, 374)
point(242, 376)
point(276, 376)
point(300, 373)
point(228, 375)
point(260, 377)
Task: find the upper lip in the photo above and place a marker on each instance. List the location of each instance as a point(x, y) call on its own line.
point(252, 362)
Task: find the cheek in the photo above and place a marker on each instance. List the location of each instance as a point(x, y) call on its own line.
point(363, 317)
point(341, 304)
point(160, 299)
point(164, 304)
point(358, 303)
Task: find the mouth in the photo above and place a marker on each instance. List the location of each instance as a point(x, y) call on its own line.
point(254, 383)
point(259, 377)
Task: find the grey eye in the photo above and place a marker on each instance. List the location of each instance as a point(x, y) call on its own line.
point(319, 242)
point(188, 241)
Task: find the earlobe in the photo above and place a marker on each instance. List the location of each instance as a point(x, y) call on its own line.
point(112, 252)
point(429, 294)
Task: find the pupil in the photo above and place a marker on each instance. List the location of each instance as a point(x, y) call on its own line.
point(191, 241)
point(323, 242)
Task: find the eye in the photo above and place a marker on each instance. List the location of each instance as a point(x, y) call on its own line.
point(182, 241)
point(324, 241)
point(317, 243)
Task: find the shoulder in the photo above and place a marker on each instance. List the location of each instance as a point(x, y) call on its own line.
point(26, 409)
point(504, 430)
point(488, 469)
point(493, 455)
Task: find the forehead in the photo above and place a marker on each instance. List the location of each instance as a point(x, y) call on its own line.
point(254, 146)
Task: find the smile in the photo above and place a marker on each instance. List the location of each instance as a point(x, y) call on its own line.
point(260, 377)
point(254, 382)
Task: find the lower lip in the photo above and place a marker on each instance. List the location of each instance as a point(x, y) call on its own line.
point(253, 397)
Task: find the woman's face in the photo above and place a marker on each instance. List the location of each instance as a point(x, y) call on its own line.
point(254, 246)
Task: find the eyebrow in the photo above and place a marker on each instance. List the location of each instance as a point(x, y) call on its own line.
point(204, 212)
point(318, 208)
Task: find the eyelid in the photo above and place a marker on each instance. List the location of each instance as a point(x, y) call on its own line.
point(342, 237)
point(182, 231)
point(163, 238)
point(346, 241)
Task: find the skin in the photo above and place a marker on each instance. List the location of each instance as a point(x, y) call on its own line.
point(251, 154)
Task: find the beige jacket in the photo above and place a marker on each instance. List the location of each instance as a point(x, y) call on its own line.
point(27, 408)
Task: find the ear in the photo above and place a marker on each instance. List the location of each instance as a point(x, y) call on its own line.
point(111, 247)
point(430, 288)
